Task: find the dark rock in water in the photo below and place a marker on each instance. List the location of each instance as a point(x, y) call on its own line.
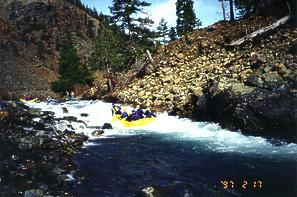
point(254, 110)
point(70, 118)
point(48, 113)
point(107, 126)
point(97, 133)
point(39, 126)
point(68, 132)
point(84, 114)
point(148, 192)
point(34, 111)
point(65, 110)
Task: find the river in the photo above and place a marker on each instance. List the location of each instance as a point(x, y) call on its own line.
point(177, 157)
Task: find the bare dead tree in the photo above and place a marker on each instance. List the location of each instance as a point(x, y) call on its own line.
point(223, 4)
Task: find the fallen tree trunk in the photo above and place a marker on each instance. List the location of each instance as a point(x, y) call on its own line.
point(260, 31)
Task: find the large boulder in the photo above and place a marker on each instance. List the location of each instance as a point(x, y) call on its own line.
point(253, 110)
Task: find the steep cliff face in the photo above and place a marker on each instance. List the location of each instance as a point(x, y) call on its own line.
point(30, 37)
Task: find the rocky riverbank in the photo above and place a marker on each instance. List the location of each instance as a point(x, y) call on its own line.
point(251, 87)
point(35, 157)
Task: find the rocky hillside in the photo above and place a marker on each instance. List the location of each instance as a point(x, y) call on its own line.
point(251, 87)
point(30, 37)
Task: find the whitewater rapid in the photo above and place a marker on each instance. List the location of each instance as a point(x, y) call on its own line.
point(210, 135)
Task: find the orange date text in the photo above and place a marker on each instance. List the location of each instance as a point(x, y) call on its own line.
point(253, 184)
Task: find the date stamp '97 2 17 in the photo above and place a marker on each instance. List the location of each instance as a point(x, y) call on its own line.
point(254, 184)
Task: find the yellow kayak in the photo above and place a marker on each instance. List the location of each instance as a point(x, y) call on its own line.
point(136, 123)
point(29, 101)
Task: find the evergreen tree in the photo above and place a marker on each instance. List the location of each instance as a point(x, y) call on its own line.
point(105, 19)
point(172, 34)
point(163, 30)
point(123, 12)
point(95, 12)
point(276, 8)
point(70, 69)
point(186, 17)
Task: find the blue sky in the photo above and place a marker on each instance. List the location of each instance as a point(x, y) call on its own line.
point(208, 11)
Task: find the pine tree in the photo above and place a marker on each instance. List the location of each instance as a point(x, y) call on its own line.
point(163, 30)
point(122, 14)
point(186, 17)
point(95, 12)
point(70, 69)
point(172, 34)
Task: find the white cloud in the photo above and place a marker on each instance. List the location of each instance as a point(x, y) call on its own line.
point(165, 10)
point(206, 11)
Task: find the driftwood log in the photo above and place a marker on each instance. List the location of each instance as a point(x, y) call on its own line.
point(151, 59)
point(260, 31)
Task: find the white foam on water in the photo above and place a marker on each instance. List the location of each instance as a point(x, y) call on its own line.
point(210, 134)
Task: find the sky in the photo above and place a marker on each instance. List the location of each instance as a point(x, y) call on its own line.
point(208, 11)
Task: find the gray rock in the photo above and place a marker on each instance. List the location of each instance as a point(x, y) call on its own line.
point(268, 68)
point(97, 133)
point(107, 126)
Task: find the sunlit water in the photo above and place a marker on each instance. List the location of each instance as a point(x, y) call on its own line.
point(177, 156)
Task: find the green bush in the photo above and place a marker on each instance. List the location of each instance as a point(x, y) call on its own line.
point(61, 85)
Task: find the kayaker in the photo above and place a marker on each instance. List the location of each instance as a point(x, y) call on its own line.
point(139, 113)
point(132, 117)
point(116, 109)
point(28, 98)
point(124, 115)
point(149, 114)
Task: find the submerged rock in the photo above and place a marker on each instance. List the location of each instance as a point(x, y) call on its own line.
point(148, 192)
